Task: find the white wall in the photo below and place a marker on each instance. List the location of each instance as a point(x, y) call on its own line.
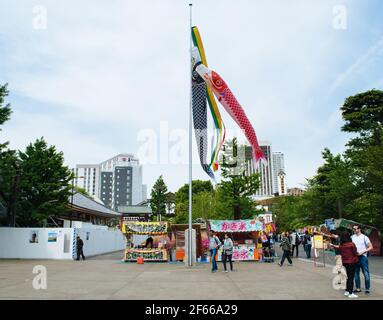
point(15, 242)
point(101, 241)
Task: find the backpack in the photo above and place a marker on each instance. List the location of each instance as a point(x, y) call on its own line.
point(297, 239)
point(217, 242)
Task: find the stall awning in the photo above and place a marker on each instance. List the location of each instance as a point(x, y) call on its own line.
point(348, 224)
point(138, 227)
point(250, 225)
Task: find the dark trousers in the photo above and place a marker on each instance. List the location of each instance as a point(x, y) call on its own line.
point(307, 248)
point(226, 257)
point(286, 255)
point(350, 269)
point(292, 250)
point(80, 253)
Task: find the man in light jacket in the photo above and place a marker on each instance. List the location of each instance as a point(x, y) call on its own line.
point(214, 244)
point(295, 242)
point(227, 253)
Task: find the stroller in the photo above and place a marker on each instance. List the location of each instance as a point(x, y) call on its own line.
point(268, 254)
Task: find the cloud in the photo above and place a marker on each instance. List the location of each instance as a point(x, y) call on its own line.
point(101, 72)
point(371, 56)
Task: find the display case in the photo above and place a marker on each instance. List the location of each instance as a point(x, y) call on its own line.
point(157, 229)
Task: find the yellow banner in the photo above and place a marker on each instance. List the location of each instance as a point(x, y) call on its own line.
point(318, 242)
point(139, 227)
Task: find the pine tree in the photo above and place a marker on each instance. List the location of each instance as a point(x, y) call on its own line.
point(158, 197)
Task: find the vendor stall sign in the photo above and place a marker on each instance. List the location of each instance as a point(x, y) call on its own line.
point(236, 225)
point(267, 217)
point(242, 253)
point(270, 228)
point(318, 242)
point(137, 227)
point(146, 254)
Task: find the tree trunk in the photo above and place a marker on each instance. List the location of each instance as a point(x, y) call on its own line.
point(237, 212)
point(340, 209)
point(236, 205)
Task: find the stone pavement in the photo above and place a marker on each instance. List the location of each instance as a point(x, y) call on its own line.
point(106, 277)
point(375, 263)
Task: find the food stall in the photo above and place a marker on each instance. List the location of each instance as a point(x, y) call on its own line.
point(244, 234)
point(157, 230)
point(178, 234)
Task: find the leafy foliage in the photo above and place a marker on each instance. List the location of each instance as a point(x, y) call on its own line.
point(44, 184)
point(348, 185)
point(158, 197)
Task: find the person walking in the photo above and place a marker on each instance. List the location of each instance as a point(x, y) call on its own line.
point(227, 253)
point(307, 243)
point(363, 246)
point(295, 242)
point(286, 247)
point(350, 260)
point(214, 245)
point(79, 246)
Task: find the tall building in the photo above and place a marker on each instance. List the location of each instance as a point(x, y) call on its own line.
point(117, 181)
point(272, 175)
point(266, 188)
point(279, 185)
point(87, 176)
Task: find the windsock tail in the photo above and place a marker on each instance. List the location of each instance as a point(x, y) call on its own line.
point(258, 156)
point(207, 169)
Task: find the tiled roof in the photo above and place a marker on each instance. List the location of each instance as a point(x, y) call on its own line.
point(80, 200)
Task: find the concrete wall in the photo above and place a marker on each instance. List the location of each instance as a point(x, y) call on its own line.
point(15, 243)
point(100, 241)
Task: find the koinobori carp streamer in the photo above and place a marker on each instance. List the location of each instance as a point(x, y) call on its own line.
point(232, 106)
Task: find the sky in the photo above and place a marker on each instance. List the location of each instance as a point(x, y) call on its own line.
point(98, 78)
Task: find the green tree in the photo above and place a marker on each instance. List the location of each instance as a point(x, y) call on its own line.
point(158, 197)
point(237, 187)
point(5, 110)
point(363, 116)
point(45, 183)
point(204, 206)
point(9, 167)
point(182, 199)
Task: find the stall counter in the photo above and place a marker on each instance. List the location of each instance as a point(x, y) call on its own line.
point(146, 254)
point(242, 252)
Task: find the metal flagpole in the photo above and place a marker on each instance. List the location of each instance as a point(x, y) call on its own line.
point(190, 261)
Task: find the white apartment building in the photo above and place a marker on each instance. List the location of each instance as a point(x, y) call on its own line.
point(87, 176)
point(279, 183)
point(117, 181)
point(272, 175)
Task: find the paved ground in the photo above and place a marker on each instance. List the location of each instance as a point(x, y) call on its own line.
point(375, 263)
point(106, 277)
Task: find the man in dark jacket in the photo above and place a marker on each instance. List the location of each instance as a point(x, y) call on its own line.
point(286, 247)
point(79, 245)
